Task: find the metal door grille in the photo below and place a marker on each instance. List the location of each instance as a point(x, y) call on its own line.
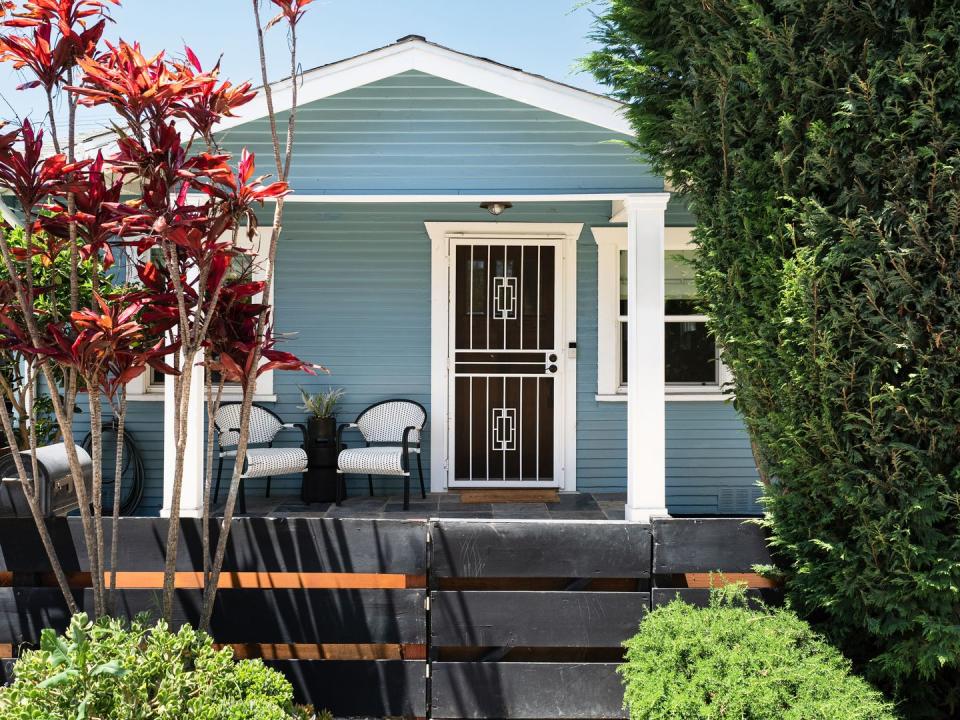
point(504, 363)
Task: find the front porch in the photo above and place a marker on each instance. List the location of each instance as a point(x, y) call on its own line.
point(568, 506)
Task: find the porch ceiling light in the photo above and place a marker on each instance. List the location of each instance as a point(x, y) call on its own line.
point(496, 208)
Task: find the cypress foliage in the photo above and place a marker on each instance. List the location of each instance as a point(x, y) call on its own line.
point(818, 142)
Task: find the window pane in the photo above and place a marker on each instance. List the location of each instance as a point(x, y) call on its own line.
point(681, 307)
point(678, 276)
point(690, 353)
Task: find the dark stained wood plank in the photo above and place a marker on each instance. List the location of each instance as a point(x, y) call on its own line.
point(295, 616)
point(24, 612)
point(540, 548)
point(701, 597)
point(705, 545)
point(318, 651)
point(531, 618)
point(526, 690)
point(377, 688)
point(256, 545)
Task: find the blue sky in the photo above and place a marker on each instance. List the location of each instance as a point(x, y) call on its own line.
point(542, 36)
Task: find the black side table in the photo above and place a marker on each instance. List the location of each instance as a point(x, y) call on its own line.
point(320, 480)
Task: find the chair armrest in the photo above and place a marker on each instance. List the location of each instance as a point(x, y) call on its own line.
point(405, 458)
point(303, 431)
point(343, 426)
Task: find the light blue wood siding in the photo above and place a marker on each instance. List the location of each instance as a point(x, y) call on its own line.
point(419, 134)
point(354, 279)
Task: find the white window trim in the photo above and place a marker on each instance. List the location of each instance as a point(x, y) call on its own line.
point(611, 241)
point(142, 390)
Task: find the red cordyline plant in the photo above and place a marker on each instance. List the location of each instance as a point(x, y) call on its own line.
point(181, 231)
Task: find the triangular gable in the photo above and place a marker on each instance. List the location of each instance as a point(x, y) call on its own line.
point(415, 53)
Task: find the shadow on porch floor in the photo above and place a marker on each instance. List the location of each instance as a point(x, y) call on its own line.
point(571, 506)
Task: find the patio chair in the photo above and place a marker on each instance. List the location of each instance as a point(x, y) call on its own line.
point(392, 431)
point(267, 461)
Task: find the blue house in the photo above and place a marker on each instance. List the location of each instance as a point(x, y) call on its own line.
point(482, 240)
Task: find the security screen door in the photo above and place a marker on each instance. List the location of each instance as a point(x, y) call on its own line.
point(505, 331)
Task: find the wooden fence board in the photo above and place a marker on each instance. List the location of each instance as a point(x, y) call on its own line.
point(526, 690)
point(331, 545)
point(530, 618)
point(697, 546)
point(376, 688)
point(24, 612)
point(545, 548)
point(295, 616)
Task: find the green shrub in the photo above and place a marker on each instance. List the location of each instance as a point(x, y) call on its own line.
point(731, 661)
point(114, 670)
point(818, 142)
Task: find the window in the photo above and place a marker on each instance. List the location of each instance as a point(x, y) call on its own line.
point(693, 367)
point(150, 386)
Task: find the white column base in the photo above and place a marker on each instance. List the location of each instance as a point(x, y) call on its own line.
point(643, 515)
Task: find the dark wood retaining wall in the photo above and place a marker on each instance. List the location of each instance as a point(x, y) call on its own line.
point(374, 618)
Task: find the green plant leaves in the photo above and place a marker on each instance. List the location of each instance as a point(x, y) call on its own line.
point(818, 143)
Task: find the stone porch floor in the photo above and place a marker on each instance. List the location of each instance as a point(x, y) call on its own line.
point(571, 506)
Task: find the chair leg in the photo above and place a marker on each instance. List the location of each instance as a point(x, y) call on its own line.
point(269, 480)
point(423, 490)
point(216, 491)
point(406, 491)
point(243, 499)
point(341, 491)
point(370, 483)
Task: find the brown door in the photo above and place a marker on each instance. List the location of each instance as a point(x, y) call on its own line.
point(505, 329)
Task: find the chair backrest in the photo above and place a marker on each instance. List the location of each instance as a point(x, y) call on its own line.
point(264, 425)
point(386, 421)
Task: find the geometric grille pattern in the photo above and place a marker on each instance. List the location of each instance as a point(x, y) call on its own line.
point(504, 429)
point(504, 298)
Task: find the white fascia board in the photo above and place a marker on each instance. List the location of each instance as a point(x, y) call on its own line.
point(463, 69)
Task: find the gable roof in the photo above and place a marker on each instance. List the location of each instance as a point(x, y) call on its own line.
point(414, 52)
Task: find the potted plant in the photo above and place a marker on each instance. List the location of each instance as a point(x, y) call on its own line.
point(322, 423)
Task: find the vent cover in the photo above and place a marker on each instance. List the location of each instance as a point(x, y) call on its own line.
point(739, 501)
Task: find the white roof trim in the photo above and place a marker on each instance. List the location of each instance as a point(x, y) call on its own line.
point(417, 54)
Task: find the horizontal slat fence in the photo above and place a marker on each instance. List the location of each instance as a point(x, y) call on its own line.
point(337, 604)
point(525, 618)
point(691, 555)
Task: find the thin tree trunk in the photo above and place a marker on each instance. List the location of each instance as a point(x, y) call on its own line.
point(96, 446)
point(173, 529)
point(121, 415)
point(213, 406)
point(283, 167)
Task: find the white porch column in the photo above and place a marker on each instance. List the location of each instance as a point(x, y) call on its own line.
point(646, 412)
point(191, 498)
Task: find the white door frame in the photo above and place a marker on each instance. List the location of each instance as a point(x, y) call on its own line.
point(441, 234)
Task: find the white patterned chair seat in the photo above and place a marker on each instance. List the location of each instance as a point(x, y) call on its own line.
point(378, 460)
point(264, 462)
